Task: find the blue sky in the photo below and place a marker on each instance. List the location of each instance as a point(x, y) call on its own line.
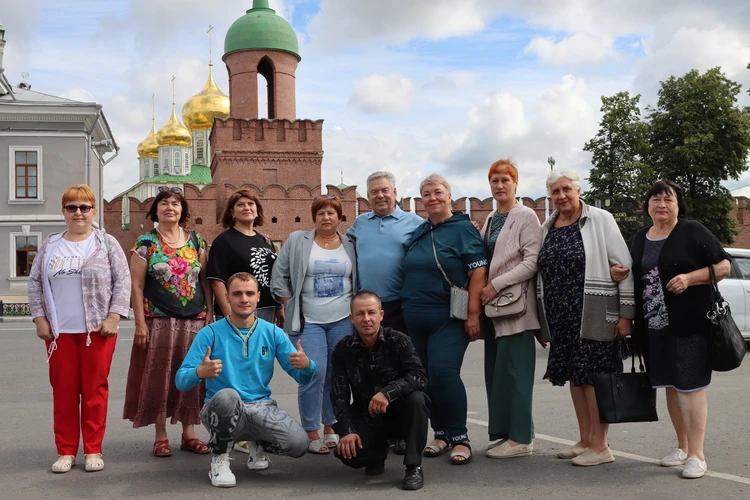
point(414, 87)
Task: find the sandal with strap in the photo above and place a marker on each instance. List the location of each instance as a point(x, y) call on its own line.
point(432, 450)
point(461, 457)
point(194, 445)
point(318, 447)
point(63, 464)
point(331, 440)
point(94, 462)
point(162, 449)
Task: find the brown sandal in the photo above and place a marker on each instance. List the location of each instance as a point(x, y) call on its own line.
point(194, 445)
point(162, 449)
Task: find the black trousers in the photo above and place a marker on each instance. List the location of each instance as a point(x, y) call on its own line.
point(405, 419)
point(394, 317)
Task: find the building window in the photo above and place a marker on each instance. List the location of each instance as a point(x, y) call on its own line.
point(156, 168)
point(297, 219)
point(274, 220)
point(199, 151)
point(25, 182)
point(177, 161)
point(187, 160)
point(166, 164)
point(26, 248)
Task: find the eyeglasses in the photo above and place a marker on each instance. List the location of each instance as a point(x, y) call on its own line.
point(326, 196)
point(71, 209)
point(164, 189)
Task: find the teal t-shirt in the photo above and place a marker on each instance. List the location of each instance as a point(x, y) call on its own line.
point(459, 248)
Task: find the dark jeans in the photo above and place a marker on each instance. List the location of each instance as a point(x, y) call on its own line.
point(394, 317)
point(405, 419)
point(441, 343)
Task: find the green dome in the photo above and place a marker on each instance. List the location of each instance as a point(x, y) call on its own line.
point(261, 28)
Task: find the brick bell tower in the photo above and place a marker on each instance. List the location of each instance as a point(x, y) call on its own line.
point(280, 156)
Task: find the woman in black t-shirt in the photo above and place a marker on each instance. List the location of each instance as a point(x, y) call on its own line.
point(242, 249)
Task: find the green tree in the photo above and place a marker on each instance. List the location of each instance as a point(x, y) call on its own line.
point(620, 172)
point(699, 137)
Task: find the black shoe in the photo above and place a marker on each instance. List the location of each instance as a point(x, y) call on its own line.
point(375, 469)
point(413, 479)
point(399, 448)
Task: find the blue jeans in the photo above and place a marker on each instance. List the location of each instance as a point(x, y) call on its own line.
point(314, 398)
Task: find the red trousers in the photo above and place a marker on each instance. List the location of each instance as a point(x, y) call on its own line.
point(80, 391)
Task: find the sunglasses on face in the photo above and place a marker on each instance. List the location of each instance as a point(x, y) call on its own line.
point(164, 189)
point(326, 196)
point(71, 209)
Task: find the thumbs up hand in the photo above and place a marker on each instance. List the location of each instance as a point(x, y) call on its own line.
point(299, 359)
point(209, 368)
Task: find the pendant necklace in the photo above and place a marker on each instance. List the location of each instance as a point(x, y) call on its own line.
point(327, 241)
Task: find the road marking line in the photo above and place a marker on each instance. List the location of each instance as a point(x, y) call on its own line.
point(623, 454)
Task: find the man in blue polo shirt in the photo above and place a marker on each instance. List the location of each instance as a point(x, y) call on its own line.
point(382, 238)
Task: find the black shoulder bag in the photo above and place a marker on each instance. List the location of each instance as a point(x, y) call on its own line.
point(726, 347)
point(625, 397)
point(166, 301)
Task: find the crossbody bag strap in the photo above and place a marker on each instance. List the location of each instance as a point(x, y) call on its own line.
point(434, 252)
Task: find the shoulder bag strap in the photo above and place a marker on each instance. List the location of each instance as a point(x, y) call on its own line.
point(195, 241)
point(434, 252)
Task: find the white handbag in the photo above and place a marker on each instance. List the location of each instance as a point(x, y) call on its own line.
point(459, 305)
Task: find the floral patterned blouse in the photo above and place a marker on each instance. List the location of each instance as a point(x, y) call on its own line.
point(177, 269)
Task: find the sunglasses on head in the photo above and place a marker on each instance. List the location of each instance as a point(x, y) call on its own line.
point(71, 209)
point(164, 189)
point(326, 196)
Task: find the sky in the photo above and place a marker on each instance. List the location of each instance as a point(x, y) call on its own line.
point(414, 87)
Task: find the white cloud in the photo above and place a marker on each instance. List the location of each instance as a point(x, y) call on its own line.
point(392, 93)
point(580, 48)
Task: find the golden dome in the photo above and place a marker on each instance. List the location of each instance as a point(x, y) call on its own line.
point(174, 132)
point(149, 147)
point(200, 110)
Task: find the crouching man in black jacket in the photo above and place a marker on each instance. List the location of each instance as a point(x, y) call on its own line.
point(380, 369)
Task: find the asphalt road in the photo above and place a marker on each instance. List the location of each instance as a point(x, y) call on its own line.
point(27, 448)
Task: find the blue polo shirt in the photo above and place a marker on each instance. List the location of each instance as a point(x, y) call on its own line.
point(381, 244)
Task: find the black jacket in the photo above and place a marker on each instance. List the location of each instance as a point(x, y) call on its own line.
point(690, 246)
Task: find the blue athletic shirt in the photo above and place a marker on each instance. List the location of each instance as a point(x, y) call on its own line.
point(247, 359)
point(460, 249)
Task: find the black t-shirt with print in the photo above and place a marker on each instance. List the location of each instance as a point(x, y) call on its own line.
point(234, 252)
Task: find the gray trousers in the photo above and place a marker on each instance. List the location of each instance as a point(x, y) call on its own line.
point(228, 420)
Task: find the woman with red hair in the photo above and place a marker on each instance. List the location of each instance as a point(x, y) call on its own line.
point(79, 288)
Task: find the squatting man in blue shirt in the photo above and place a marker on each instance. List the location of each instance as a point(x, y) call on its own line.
point(235, 356)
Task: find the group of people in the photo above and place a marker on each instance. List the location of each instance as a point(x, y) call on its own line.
point(373, 324)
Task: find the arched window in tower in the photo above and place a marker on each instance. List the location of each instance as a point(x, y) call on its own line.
point(266, 90)
point(177, 159)
point(165, 162)
point(156, 168)
point(200, 151)
point(187, 160)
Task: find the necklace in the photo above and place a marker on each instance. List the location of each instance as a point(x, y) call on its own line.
point(170, 243)
point(326, 241)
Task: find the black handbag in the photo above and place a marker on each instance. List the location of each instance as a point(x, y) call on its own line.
point(625, 397)
point(726, 347)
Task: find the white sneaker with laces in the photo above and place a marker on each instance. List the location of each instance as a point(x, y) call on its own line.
point(677, 457)
point(694, 468)
point(257, 457)
point(220, 474)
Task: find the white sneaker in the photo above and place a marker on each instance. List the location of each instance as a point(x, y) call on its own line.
point(495, 443)
point(677, 457)
point(694, 468)
point(220, 474)
point(257, 457)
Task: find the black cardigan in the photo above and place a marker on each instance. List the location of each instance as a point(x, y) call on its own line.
point(690, 246)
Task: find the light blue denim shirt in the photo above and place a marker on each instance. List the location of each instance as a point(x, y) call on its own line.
point(381, 244)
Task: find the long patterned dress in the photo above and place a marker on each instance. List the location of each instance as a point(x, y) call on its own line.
point(151, 395)
point(562, 265)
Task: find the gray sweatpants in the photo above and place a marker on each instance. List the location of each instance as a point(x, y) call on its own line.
point(228, 420)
